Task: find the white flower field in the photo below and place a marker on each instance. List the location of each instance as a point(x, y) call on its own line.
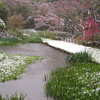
point(12, 66)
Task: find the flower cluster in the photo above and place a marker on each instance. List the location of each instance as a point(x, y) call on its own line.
point(11, 66)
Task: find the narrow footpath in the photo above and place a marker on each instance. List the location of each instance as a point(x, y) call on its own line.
point(32, 82)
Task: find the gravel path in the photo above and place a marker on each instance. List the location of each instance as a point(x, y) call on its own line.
point(32, 82)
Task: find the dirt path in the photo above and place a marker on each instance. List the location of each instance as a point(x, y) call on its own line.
point(32, 82)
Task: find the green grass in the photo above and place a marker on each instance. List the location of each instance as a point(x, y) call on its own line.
point(15, 41)
point(36, 38)
point(13, 97)
point(9, 41)
point(79, 81)
point(33, 39)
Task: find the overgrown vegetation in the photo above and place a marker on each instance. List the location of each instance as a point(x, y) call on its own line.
point(80, 81)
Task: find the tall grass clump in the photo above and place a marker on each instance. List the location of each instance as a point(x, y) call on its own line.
point(82, 57)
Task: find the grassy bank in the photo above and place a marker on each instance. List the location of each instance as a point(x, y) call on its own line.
point(15, 41)
point(12, 66)
point(80, 81)
point(9, 41)
point(27, 37)
point(32, 39)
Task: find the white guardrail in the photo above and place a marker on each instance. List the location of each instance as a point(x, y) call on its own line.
point(74, 48)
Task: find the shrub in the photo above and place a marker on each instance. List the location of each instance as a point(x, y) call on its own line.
point(82, 57)
point(78, 82)
point(16, 21)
